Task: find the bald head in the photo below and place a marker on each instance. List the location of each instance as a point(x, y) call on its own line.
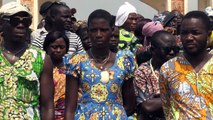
point(161, 38)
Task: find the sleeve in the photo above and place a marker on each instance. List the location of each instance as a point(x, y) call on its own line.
point(71, 63)
point(130, 64)
point(164, 91)
point(80, 46)
point(139, 81)
point(36, 39)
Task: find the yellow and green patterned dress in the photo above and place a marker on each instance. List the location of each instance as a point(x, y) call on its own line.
point(19, 86)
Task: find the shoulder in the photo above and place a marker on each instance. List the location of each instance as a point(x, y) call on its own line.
point(126, 53)
point(37, 51)
point(144, 67)
point(125, 33)
point(71, 35)
point(75, 58)
point(39, 32)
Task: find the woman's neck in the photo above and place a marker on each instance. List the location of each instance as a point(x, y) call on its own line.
point(58, 63)
point(100, 53)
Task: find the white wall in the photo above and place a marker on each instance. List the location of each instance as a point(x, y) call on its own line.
point(6, 1)
point(192, 5)
point(85, 7)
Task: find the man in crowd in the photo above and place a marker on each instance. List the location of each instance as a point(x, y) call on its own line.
point(146, 82)
point(59, 19)
point(26, 75)
point(186, 80)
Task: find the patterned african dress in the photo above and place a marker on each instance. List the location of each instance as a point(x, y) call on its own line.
point(146, 84)
point(59, 92)
point(186, 94)
point(19, 86)
point(100, 101)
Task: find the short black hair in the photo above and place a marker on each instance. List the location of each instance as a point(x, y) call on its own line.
point(55, 6)
point(157, 35)
point(100, 13)
point(45, 7)
point(199, 15)
point(52, 37)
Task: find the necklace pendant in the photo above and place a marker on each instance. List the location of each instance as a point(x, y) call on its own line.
point(104, 77)
point(13, 58)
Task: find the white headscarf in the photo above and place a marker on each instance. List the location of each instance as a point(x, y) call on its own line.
point(209, 11)
point(123, 13)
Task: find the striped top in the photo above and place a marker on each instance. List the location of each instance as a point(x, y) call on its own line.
point(38, 36)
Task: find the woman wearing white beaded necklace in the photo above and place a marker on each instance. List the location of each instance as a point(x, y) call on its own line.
point(100, 73)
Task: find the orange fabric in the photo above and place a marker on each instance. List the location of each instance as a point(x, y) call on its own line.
point(186, 94)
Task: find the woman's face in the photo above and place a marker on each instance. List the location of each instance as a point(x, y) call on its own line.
point(99, 33)
point(57, 49)
point(130, 23)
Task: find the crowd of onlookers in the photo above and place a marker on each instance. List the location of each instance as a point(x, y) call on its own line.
point(109, 67)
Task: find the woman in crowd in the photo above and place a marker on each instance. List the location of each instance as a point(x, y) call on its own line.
point(101, 74)
point(56, 45)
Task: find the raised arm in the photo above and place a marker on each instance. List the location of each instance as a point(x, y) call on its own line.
point(71, 97)
point(47, 90)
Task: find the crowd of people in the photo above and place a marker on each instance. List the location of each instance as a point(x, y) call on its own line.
point(108, 67)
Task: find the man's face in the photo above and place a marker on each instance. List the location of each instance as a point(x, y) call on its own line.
point(130, 23)
point(16, 27)
point(99, 32)
point(167, 48)
point(63, 18)
point(194, 36)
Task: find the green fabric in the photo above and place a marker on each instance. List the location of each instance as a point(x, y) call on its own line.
point(19, 85)
point(128, 38)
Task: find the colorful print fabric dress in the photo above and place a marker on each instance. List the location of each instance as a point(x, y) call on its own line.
point(59, 92)
point(19, 86)
point(187, 95)
point(100, 101)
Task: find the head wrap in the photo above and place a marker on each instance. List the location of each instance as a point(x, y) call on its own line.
point(12, 8)
point(150, 28)
point(123, 13)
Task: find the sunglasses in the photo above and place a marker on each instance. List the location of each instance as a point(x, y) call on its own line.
point(175, 49)
point(15, 20)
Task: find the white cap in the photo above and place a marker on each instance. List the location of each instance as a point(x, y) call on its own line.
point(12, 8)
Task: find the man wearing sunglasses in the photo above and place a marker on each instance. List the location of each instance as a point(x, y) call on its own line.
point(146, 81)
point(186, 81)
point(59, 19)
point(26, 85)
